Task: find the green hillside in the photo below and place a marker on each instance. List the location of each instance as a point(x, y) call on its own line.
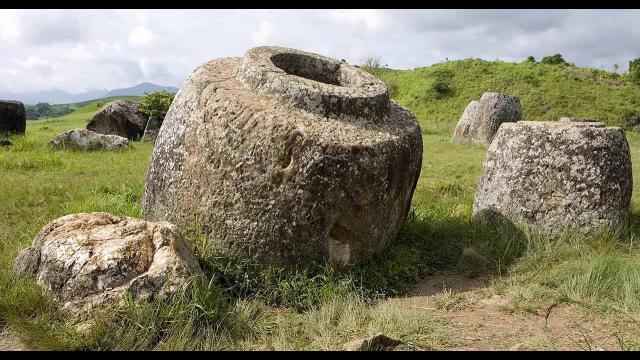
point(438, 94)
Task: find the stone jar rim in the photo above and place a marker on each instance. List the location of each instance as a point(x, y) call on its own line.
point(321, 85)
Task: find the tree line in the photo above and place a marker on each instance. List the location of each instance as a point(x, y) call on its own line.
point(45, 110)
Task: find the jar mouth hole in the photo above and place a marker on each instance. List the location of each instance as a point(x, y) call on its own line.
point(309, 67)
point(315, 83)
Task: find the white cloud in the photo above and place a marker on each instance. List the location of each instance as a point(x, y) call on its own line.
point(141, 36)
point(80, 52)
point(371, 19)
point(9, 25)
point(37, 66)
point(265, 30)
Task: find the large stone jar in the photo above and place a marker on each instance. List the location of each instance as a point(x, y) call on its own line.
point(13, 119)
point(556, 176)
point(481, 120)
point(286, 156)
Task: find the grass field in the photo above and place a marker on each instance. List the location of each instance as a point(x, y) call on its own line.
point(241, 306)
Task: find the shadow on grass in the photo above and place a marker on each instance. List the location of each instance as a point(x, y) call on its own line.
point(424, 246)
point(429, 245)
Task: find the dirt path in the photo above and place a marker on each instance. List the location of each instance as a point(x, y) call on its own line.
point(10, 341)
point(481, 321)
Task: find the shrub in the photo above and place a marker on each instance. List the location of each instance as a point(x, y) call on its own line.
point(156, 103)
point(371, 65)
point(554, 60)
point(441, 85)
point(531, 59)
point(634, 71)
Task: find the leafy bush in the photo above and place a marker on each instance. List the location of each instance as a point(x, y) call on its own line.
point(531, 59)
point(634, 71)
point(371, 65)
point(156, 104)
point(441, 85)
point(554, 60)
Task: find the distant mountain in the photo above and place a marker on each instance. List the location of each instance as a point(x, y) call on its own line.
point(140, 89)
point(52, 96)
point(63, 97)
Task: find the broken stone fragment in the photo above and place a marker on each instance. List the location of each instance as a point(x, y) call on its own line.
point(86, 140)
point(92, 260)
point(377, 342)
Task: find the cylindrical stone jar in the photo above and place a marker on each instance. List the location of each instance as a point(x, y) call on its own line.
point(552, 177)
point(13, 119)
point(285, 156)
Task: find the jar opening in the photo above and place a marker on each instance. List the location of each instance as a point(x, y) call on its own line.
point(308, 67)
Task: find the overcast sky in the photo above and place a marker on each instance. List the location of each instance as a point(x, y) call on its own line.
point(81, 50)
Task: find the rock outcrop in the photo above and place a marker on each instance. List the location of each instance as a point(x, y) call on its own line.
point(481, 119)
point(555, 176)
point(13, 119)
point(285, 156)
point(86, 140)
point(91, 260)
point(120, 118)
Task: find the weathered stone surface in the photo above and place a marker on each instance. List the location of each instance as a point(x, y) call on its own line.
point(377, 342)
point(481, 119)
point(120, 118)
point(86, 140)
point(287, 156)
point(5, 142)
point(151, 131)
point(12, 117)
point(92, 260)
point(554, 176)
point(576, 119)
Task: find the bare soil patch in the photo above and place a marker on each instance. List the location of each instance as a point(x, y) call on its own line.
point(9, 341)
point(482, 320)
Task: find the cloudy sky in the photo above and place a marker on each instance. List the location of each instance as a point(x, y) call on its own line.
point(81, 50)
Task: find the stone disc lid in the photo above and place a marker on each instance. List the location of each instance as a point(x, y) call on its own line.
point(315, 83)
